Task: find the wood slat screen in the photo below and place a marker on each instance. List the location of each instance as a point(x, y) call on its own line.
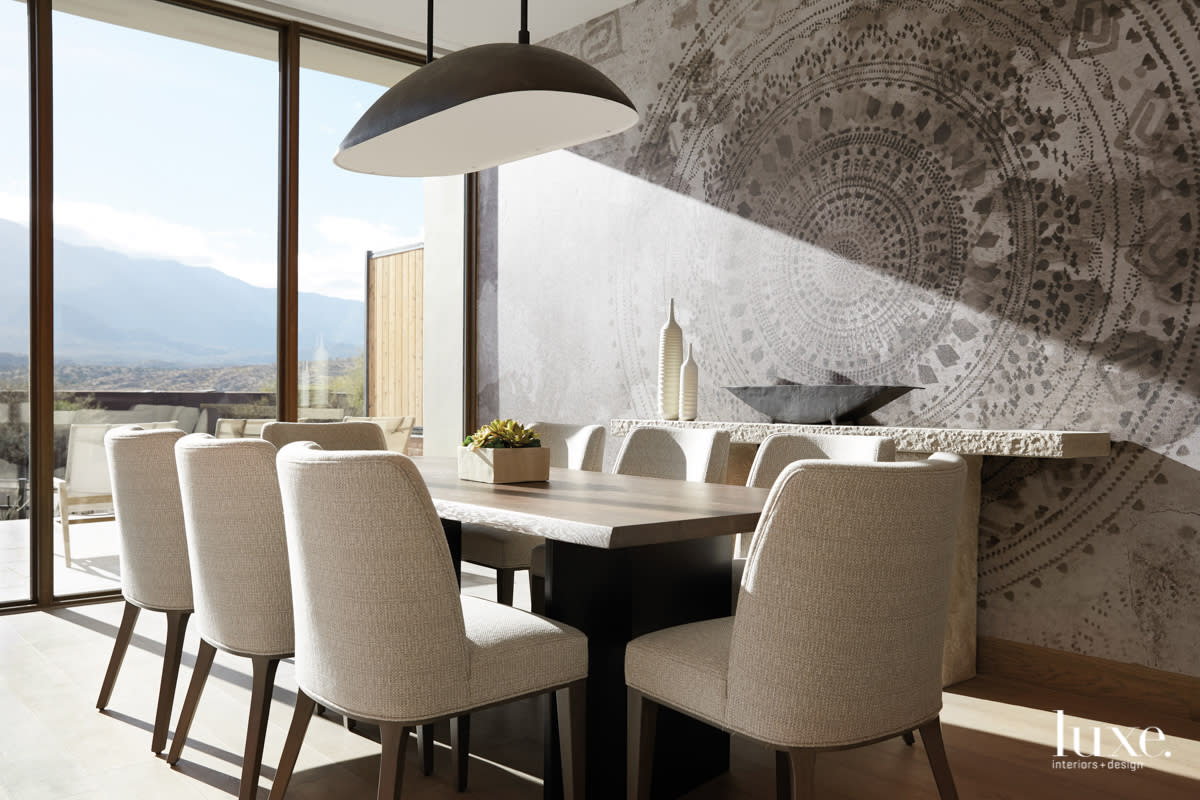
point(395, 337)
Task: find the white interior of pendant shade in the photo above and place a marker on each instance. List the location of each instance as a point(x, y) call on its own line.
point(491, 130)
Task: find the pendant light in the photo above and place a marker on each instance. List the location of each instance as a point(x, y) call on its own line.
point(483, 106)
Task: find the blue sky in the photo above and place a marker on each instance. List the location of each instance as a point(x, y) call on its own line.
point(169, 149)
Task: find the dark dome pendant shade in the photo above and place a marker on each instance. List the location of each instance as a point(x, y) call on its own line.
point(484, 106)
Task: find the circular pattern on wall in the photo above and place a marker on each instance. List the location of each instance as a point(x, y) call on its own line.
point(997, 201)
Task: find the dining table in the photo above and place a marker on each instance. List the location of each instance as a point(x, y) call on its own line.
point(625, 555)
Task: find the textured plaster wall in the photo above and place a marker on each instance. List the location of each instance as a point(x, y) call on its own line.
point(995, 201)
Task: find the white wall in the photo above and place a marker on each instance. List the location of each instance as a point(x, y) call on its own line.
point(443, 368)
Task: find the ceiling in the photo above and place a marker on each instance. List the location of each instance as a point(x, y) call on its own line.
point(457, 23)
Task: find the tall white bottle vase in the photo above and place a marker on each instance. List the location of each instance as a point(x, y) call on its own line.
point(688, 377)
point(670, 359)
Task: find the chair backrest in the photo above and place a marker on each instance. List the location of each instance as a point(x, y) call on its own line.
point(682, 454)
point(236, 544)
point(396, 430)
point(842, 610)
point(379, 623)
point(151, 541)
point(86, 470)
point(329, 435)
point(238, 428)
point(573, 446)
point(780, 449)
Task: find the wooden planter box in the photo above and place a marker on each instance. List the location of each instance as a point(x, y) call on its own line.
point(504, 464)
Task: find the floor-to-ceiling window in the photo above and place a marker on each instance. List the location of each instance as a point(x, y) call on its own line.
point(166, 239)
point(14, 306)
point(344, 216)
point(178, 296)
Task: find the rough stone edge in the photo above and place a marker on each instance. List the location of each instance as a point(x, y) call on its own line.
point(1023, 444)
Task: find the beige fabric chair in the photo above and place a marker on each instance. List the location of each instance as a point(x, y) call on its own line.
point(330, 435)
point(780, 449)
point(678, 453)
point(236, 428)
point(837, 640)
point(239, 564)
point(396, 430)
point(153, 552)
point(399, 645)
point(84, 493)
point(572, 447)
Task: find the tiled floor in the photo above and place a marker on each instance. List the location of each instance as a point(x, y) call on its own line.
point(56, 745)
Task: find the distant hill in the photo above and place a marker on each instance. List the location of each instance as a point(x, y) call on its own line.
point(111, 308)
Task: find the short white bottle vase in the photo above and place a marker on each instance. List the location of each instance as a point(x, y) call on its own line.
point(688, 375)
point(670, 358)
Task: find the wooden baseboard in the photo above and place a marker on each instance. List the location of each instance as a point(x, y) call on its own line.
point(1155, 690)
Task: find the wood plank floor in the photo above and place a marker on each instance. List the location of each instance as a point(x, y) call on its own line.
point(1000, 736)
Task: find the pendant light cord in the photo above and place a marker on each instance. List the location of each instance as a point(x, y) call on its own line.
point(429, 34)
point(523, 36)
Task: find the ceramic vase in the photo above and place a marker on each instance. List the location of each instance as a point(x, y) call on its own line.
point(670, 359)
point(688, 376)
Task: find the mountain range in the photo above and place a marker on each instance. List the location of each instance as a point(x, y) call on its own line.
point(112, 308)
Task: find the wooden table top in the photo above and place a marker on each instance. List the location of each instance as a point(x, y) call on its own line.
point(595, 508)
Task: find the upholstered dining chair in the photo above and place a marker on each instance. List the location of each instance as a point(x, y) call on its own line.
point(331, 435)
point(780, 449)
point(396, 430)
point(678, 453)
point(572, 447)
point(153, 554)
point(865, 551)
point(399, 645)
point(238, 555)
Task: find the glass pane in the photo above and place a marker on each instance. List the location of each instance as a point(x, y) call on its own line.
point(352, 226)
point(166, 238)
point(14, 305)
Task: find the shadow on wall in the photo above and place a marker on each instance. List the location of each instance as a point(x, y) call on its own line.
point(1001, 207)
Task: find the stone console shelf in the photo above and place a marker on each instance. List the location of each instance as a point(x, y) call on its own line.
point(959, 660)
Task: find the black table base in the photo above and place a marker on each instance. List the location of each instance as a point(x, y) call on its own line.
point(617, 595)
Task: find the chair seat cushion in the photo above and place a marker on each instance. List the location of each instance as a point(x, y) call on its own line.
point(495, 548)
point(514, 653)
point(686, 667)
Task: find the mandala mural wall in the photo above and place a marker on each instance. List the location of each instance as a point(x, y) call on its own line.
point(998, 201)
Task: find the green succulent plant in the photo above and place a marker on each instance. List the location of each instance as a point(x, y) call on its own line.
point(503, 433)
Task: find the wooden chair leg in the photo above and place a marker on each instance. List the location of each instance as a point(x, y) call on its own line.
point(393, 736)
point(256, 728)
point(120, 646)
point(537, 593)
point(935, 751)
point(204, 660)
point(460, 749)
point(291, 747)
point(907, 736)
point(572, 738)
point(641, 718)
point(795, 771)
point(425, 748)
point(504, 585)
point(172, 655)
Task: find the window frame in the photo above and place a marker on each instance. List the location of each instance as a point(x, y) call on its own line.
point(41, 261)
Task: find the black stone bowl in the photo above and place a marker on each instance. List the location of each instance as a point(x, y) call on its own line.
point(801, 404)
